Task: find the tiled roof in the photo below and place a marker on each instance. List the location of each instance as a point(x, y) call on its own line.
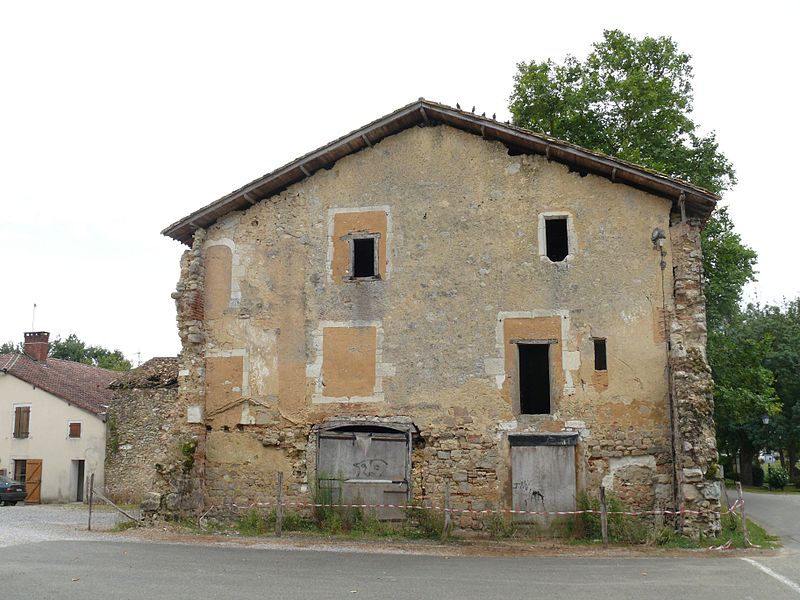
point(84, 386)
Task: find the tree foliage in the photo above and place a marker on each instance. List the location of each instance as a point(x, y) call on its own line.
point(632, 98)
point(782, 325)
point(8, 347)
point(76, 350)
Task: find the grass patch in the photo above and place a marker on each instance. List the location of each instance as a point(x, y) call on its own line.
point(124, 525)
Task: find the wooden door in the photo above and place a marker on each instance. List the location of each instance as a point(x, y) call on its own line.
point(33, 480)
point(365, 467)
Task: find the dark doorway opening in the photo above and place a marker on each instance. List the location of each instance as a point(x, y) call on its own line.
point(79, 468)
point(556, 239)
point(534, 379)
point(364, 257)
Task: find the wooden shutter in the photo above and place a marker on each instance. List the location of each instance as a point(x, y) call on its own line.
point(74, 430)
point(22, 418)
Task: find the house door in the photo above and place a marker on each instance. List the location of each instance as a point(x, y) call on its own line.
point(364, 465)
point(33, 480)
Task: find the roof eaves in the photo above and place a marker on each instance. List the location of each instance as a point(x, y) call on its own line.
point(428, 112)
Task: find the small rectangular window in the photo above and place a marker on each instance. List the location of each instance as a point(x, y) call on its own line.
point(20, 470)
point(600, 360)
point(363, 257)
point(22, 420)
point(556, 239)
point(74, 429)
point(534, 379)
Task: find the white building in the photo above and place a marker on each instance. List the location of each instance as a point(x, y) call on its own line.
point(52, 421)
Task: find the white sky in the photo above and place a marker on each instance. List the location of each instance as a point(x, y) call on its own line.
point(117, 119)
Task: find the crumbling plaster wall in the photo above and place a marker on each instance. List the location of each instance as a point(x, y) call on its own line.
point(464, 253)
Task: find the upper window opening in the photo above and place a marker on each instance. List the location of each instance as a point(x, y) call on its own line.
point(363, 257)
point(534, 379)
point(600, 359)
point(556, 239)
point(74, 429)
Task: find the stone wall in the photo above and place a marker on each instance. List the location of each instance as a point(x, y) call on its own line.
point(462, 278)
point(699, 484)
point(150, 446)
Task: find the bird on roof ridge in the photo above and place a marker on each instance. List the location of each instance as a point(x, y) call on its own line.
point(458, 106)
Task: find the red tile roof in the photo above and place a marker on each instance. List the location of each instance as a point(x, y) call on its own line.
point(84, 386)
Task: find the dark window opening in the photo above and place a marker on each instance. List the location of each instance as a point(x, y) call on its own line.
point(600, 360)
point(534, 379)
point(364, 257)
point(20, 470)
point(22, 419)
point(556, 239)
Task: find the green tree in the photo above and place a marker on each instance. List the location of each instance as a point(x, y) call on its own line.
point(74, 349)
point(632, 98)
point(743, 386)
point(9, 347)
point(782, 325)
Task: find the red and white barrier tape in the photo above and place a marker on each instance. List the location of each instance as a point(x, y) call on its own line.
point(487, 511)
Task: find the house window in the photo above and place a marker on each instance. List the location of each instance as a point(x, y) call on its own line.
point(600, 359)
point(359, 244)
point(22, 421)
point(74, 429)
point(364, 257)
point(534, 378)
point(556, 238)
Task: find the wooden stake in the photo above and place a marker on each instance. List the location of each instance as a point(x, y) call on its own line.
point(446, 528)
point(603, 515)
point(91, 498)
point(744, 515)
point(279, 506)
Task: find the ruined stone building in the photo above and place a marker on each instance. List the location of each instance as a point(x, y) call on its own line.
point(438, 298)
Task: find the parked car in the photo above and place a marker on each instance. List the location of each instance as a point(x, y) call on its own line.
point(11, 491)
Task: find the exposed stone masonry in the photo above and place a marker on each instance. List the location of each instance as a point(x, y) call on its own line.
point(698, 474)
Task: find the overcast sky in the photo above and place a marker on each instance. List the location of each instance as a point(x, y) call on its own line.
point(117, 119)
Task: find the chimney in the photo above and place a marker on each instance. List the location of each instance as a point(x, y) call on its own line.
point(37, 344)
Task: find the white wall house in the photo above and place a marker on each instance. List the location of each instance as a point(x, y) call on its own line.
point(52, 422)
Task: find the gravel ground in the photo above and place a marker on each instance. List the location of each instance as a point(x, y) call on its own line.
point(48, 522)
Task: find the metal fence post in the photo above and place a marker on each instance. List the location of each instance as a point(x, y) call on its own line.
point(279, 505)
point(91, 498)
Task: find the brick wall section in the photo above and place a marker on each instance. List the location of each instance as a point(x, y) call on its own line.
point(699, 486)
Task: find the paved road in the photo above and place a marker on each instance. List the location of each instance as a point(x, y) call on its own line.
point(778, 513)
point(45, 553)
point(113, 570)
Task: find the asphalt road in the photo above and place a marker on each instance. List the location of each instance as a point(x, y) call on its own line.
point(777, 513)
point(136, 570)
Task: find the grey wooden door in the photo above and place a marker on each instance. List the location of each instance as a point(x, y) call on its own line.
point(365, 467)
